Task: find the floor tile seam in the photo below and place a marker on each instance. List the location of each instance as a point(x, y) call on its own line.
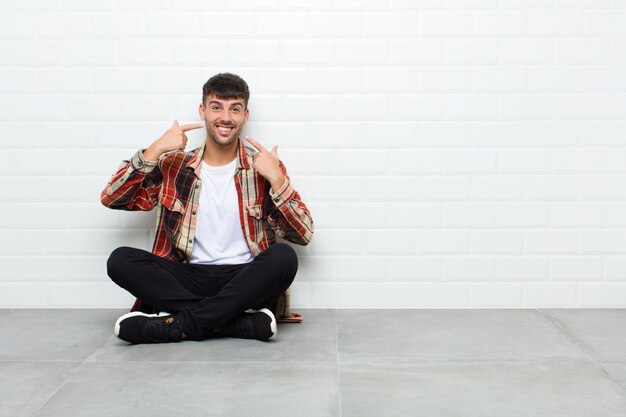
point(65, 381)
point(337, 361)
point(569, 334)
point(583, 348)
point(96, 349)
point(245, 362)
point(398, 362)
point(40, 361)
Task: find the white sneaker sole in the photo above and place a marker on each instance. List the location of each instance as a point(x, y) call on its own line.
point(116, 328)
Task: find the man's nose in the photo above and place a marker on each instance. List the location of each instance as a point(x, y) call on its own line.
point(225, 116)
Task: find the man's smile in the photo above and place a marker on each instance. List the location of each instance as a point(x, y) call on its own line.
point(225, 130)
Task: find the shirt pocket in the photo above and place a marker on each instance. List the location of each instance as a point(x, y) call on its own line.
point(255, 212)
point(172, 212)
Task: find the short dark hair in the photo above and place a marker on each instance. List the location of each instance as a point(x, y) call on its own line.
point(226, 86)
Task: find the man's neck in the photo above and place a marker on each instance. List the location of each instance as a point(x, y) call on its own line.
point(216, 155)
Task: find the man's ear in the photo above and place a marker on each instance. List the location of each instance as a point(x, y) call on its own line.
point(247, 116)
point(201, 110)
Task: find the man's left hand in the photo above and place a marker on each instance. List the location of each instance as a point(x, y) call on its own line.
point(266, 163)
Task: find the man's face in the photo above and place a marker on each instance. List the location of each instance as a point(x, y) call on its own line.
point(224, 119)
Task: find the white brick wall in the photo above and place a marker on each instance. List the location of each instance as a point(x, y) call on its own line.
point(454, 153)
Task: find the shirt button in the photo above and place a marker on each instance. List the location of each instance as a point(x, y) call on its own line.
point(196, 186)
point(193, 212)
point(276, 200)
point(190, 240)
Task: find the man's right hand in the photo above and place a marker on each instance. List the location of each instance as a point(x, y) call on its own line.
point(173, 138)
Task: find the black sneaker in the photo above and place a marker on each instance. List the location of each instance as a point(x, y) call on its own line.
point(259, 325)
point(138, 327)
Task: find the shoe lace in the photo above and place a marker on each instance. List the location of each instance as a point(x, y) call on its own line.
point(167, 329)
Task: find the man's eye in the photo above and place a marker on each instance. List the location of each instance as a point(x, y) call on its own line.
point(215, 108)
point(236, 110)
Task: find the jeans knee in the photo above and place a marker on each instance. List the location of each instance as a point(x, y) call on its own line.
point(288, 256)
point(116, 263)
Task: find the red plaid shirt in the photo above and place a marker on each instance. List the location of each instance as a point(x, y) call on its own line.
point(173, 185)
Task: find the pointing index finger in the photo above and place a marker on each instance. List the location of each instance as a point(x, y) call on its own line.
point(256, 144)
point(192, 126)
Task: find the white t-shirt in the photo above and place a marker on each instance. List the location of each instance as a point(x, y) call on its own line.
point(219, 239)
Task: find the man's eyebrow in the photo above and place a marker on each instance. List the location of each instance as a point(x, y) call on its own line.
point(220, 103)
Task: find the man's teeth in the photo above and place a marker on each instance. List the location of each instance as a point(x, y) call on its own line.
point(224, 129)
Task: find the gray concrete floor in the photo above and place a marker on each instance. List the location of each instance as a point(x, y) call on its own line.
point(360, 363)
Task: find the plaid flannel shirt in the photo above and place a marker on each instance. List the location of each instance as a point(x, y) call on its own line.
point(172, 184)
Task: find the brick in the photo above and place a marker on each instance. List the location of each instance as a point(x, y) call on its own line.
point(312, 52)
point(525, 161)
point(63, 25)
point(442, 134)
point(360, 52)
point(389, 24)
point(413, 215)
point(14, 80)
point(605, 22)
point(416, 107)
point(385, 80)
point(471, 106)
point(336, 24)
point(127, 25)
point(500, 23)
point(257, 51)
point(472, 215)
point(581, 50)
point(220, 25)
point(390, 135)
point(415, 268)
point(524, 215)
point(442, 188)
point(389, 295)
point(32, 53)
point(500, 134)
point(553, 188)
point(469, 268)
point(556, 22)
point(500, 79)
point(526, 50)
point(443, 79)
point(445, 23)
point(336, 134)
point(281, 24)
point(416, 51)
point(497, 188)
point(486, 295)
point(497, 241)
point(523, 268)
point(471, 51)
point(172, 24)
point(145, 51)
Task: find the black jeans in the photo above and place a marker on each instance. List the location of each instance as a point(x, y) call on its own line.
point(204, 297)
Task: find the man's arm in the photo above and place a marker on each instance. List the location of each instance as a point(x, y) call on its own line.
point(137, 182)
point(288, 215)
point(135, 185)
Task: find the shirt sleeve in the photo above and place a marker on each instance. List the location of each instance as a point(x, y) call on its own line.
point(290, 218)
point(135, 185)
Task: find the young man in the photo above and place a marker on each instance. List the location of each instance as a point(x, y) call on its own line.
point(215, 267)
